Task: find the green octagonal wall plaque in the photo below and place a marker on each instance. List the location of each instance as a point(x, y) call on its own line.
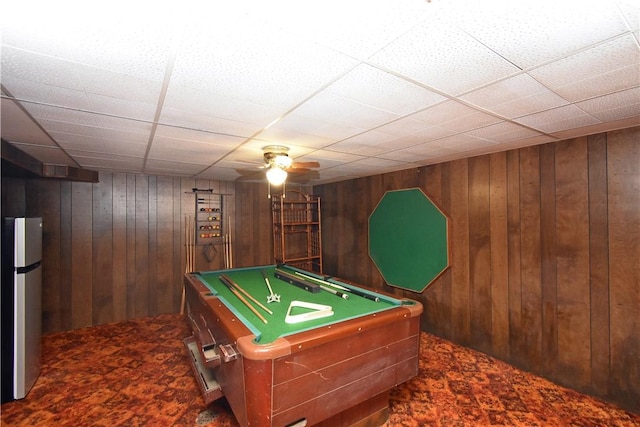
point(408, 239)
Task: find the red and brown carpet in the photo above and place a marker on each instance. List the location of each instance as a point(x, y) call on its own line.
point(136, 373)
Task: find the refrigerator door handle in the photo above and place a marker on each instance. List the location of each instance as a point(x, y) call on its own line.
point(25, 270)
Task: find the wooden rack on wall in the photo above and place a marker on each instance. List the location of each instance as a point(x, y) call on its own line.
point(297, 237)
point(208, 228)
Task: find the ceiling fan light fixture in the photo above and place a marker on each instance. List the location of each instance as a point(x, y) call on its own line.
point(283, 161)
point(276, 175)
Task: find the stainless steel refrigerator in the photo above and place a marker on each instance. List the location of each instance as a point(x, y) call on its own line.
point(21, 305)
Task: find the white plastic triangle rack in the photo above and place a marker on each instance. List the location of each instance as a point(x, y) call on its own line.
point(317, 311)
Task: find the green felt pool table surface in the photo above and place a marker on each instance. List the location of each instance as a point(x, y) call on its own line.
point(252, 281)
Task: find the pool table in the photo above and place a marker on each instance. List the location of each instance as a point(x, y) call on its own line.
point(320, 358)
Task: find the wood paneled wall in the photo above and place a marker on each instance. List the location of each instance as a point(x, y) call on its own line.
point(115, 250)
point(544, 250)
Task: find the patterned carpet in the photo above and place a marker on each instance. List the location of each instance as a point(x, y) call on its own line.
point(136, 373)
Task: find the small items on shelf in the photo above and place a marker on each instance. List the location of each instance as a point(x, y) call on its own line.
point(208, 213)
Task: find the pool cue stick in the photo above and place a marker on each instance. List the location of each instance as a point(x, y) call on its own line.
point(334, 292)
point(315, 279)
point(230, 245)
point(325, 288)
point(235, 285)
point(192, 243)
point(224, 248)
point(227, 251)
point(188, 239)
point(192, 246)
point(353, 291)
point(188, 268)
point(244, 301)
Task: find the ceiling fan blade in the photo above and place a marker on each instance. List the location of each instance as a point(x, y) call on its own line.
point(308, 165)
point(298, 170)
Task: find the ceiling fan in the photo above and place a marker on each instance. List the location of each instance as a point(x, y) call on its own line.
point(276, 158)
point(279, 165)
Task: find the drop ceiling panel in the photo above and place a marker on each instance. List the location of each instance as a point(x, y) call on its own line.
point(241, 166)
point(420, 154)
point(106, 134)
point(338, 132)
point(74, 118)
point(331, 108)
point(455, 64)
point(376, 88)
point(368, 144)
point(413, 139)
point(607, 68)
point(169, 149)
point(71, 99)
point(515, 96)
point(41, 69)
point(329, 158)
point(352, 147)
point(533, 33)
point(614, 106)
point(206, 122)
point(29, 90)
point(269, 59)
point(596, 128)
point(366, 118)
point(218, 173)
point(103, 146)
point(366, 165)
point(193, 101)
point(169, 167)
point(460, 142)
point(526, 142)
point(357, 27)
point(186, 151)
point(409, 125)
point(193, 135)
point(558, 119)
point(455, 116)
point(59, 73)
point(314, 112)
point(630, 10)
point(504, 132)
point(108, 162)
point(105, 38)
